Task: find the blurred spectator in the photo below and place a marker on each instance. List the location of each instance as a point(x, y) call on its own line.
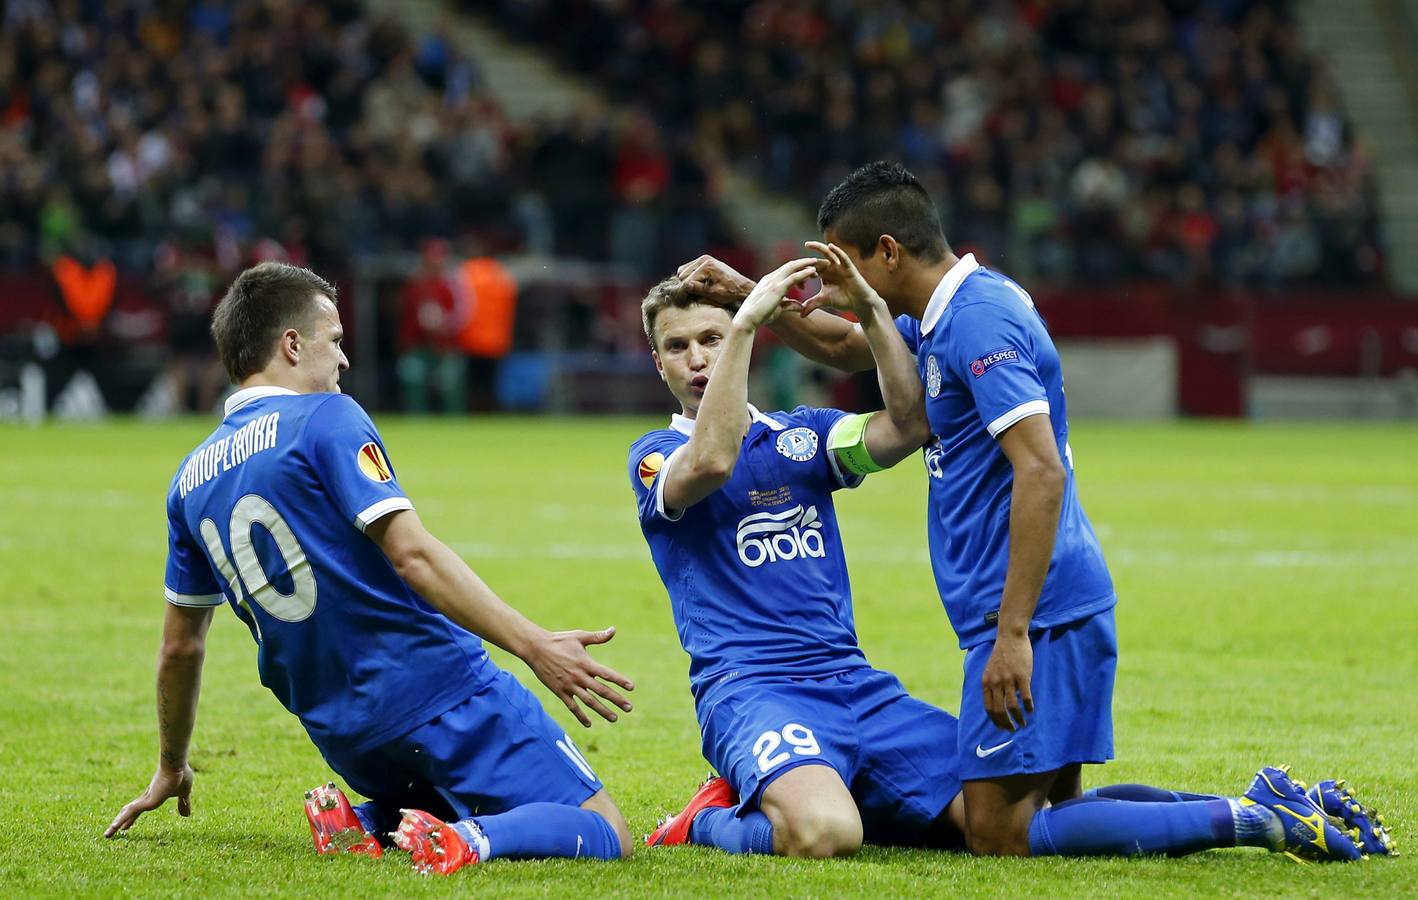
point(430, 321)
point(190, 283)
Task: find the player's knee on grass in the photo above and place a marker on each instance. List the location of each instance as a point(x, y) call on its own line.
point(813, 814)
point(602, 804)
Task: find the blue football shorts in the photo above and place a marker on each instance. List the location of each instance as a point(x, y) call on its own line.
point(896, 754)
point(1072, 722)
point(493, 752)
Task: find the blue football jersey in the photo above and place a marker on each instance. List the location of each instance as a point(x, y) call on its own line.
point(987, 361)
point(268, 514)
point(755, 571)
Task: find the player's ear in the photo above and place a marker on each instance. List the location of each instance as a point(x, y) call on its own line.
point(890, 251)
point(655, 355)
point(290, 346)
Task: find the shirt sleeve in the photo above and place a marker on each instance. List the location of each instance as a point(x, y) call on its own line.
point(823, 422)
point(649, 460)
point(189, 580)
point(351, 462)
point(992, 352)
point(910, 332)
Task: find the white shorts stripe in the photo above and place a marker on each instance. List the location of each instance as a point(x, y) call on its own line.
point(576, 758)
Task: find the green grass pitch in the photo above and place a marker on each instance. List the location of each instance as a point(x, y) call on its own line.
point(1269, 613)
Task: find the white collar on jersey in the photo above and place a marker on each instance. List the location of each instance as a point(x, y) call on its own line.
point(685, 425)
point(246, 395)
point(940, 298)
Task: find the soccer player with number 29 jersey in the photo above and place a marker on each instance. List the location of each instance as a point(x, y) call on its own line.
point(1017, 564)
point(817, 750)
point(367, 627)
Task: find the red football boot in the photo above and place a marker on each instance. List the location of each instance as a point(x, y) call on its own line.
point(435, 845)
point(334, 825)
point(714, 792)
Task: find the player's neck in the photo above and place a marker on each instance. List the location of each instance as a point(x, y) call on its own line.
point(920, 282)
point(273, 379)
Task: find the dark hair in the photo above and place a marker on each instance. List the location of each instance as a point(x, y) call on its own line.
point(668, 293)
point(262, 302)
point(883, 198)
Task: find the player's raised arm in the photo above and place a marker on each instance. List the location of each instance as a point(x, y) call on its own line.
point(886, 439)
point(184, 647)
point(707, 461)
point(442, 578)
point(818, 335)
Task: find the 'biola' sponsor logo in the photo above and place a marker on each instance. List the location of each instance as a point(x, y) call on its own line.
point(768, 537)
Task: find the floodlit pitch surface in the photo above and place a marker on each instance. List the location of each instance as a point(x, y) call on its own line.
point(1269, 614)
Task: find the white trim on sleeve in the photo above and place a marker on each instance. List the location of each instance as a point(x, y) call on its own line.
point(660, 489)
point(177, 599)
point(1022, 411)
point(376, 511)
point(844, 478)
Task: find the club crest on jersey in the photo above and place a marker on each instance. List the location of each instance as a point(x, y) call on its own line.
point(994, 358)
point(650, 467)
point(373, 464)
point(932, 376)
point(769, 537)
point(798, 444)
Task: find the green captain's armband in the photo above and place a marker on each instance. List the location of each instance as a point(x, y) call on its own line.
point(849, 441)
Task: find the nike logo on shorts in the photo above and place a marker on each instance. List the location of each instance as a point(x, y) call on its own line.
point(983, 752)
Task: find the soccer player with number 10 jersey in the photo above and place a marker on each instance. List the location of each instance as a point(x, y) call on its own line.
point(367, 627)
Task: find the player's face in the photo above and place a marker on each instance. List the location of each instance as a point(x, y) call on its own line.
point(876, 271)
point(689, 341)
point(321, 357)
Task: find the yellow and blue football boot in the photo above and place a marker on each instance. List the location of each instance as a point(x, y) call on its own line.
point(1310, 834)
point(1362, 822)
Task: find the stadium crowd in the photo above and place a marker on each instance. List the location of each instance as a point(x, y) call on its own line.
point(1078, 140)
point(156, 134)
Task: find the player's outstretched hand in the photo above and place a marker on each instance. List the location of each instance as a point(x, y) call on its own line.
point(561, 662)
point(166, 783)
point(843, 287)
point(714, 281)
point(766, 299)
point(1006, 682)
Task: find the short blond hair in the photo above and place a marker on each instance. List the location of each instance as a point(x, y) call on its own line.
point(670, 293)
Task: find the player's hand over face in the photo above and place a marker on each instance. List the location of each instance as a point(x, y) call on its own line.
point(166, 783)
point(843, 287)
point(1006, 682)
point(766, 299)
point(561, 662)
point(714, 281)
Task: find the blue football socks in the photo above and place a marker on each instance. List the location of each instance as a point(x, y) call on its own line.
point(539, 831)
point(1099, 826)
point(726, 829)
point(1143, 793)
point(377, 820)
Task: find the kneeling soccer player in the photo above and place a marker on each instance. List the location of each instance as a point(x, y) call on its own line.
point(818, 750)
point(367, 625)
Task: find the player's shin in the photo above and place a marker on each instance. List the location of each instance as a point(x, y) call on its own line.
point(540, 831)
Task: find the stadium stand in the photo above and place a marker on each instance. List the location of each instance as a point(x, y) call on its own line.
point(308, 131)
point(1080, 140)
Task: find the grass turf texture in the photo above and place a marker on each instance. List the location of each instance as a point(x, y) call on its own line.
point(1268, 614)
